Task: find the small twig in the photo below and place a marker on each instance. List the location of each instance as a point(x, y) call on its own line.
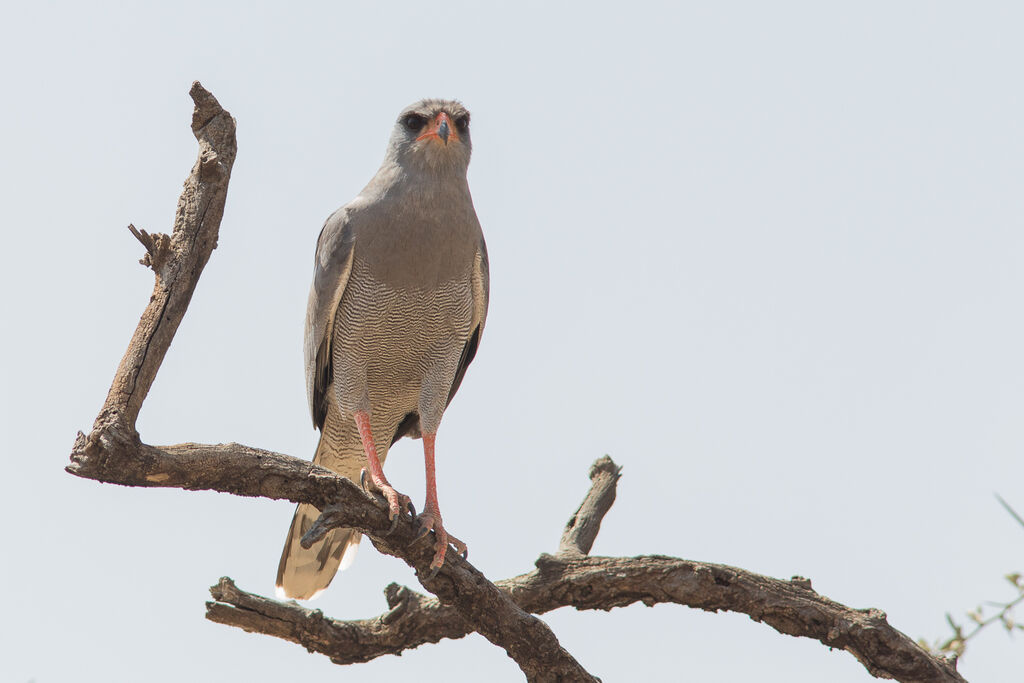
point(158, 249)
point(956, 644)
point(1013, 513)
point(999, 616)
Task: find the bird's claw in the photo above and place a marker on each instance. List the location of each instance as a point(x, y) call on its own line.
point(431, 521)
point(396, 502)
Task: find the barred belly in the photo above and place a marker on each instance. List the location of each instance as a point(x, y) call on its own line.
point(395, 351)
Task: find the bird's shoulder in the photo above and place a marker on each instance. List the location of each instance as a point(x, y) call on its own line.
point(338, 232)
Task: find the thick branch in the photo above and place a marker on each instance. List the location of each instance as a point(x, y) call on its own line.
point(118, 457)
point(570, 579)
point(492, 613)
point(177, 261)
point(345, 642)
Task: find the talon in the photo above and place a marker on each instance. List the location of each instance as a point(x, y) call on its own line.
point(395, 506)
point(362, 480)
point(433, 572)
point(431, 521)
point(412, 510)
point(440, 545)
point(396, 502)
point(424, 525)
point(459, 546)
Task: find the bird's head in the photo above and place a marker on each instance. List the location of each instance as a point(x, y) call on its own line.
point(432, 134)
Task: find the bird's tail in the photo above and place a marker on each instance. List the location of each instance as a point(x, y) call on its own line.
point(304, 572)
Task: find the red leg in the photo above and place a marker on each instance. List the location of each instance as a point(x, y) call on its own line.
point(397, 502)
point(430, 519)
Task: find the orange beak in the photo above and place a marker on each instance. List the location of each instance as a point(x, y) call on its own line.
point(441, 128)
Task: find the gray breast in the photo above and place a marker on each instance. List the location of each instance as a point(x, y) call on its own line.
point(396, 349)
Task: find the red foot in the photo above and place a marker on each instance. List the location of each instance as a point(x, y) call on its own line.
point(398, 503)
point(431, 521)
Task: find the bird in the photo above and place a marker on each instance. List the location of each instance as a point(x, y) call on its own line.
point(395, 315)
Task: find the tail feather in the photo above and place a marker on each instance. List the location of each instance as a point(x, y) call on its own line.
point(304, 572)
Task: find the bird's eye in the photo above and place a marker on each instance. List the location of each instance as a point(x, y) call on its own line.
point(414, 122)
point(462, 123)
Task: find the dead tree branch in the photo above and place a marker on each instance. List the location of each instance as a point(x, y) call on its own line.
point(465, 600)
point(572, 579)
point(178, 261)
point(113, 451)
point(581, 529)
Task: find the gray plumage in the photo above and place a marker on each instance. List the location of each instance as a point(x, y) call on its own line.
point(396, 310)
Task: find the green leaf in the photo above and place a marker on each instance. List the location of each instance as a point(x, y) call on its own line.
point(952, 624)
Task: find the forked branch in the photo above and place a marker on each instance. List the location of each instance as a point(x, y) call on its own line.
point(570, 578)
point(113, 452)
point(465, 600)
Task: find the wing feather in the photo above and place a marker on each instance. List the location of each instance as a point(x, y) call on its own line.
point(481, 296)
point(333, 265)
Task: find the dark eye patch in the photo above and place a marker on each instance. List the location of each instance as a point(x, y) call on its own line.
point(414, 122)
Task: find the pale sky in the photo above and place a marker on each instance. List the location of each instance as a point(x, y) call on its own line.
point(768, 256)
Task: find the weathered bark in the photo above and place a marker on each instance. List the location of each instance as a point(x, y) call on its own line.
point(178, 260)
point(572, 579)
point(466, 601)
point(120, 458)
point(581, 529)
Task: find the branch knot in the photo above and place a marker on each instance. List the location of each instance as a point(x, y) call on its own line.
point(158, 249)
